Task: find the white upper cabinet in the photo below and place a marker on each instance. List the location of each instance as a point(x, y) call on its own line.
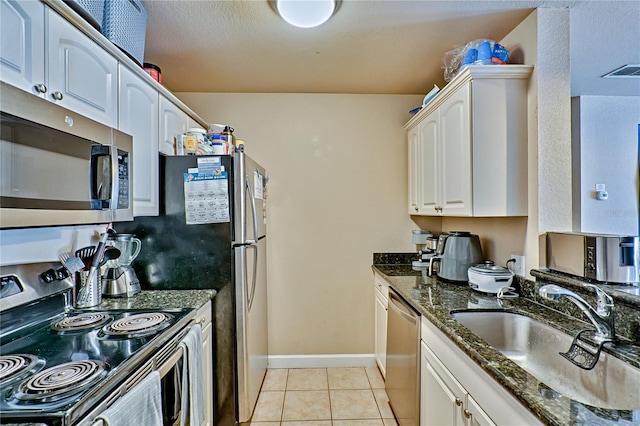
point(471, 146)
point(173, 121)
point(413, 138)
point(138, 116)
point(423, 158)
point(82, 76)
point(22, 45)
point(44, 54)
point(455, 147)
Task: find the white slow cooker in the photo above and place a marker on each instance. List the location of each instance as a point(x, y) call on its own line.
point(489, 278)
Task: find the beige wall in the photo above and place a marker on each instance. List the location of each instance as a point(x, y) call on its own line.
point(337, 193)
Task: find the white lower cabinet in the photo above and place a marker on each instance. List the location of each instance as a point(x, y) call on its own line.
point(454, 390)
point(381, 306)
point(138, 116)
point(203, 316)
point(443, 399)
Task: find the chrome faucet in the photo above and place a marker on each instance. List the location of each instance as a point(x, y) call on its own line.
point(601, 317)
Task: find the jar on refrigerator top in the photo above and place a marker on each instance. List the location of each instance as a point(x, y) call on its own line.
point(219, 144)
point(194, 139)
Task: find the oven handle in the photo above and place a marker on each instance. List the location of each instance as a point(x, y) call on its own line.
point(163, 370)
point(168, 364)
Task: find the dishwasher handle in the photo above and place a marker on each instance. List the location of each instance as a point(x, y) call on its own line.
point(400, 306)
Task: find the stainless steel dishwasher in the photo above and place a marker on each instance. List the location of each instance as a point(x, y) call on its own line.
point(403, 360)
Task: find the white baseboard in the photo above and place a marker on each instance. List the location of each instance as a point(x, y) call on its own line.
point(322, 361)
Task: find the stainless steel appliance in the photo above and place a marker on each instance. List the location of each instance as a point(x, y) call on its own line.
point(490, 278)
point(61, 366)
point(599, 257)
point(211, 233)
point(426, 245)
point(456, 252)
point(58, 167)
point(402, 382)
point(120, 279)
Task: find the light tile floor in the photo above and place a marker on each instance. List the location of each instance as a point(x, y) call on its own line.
point(351, 396)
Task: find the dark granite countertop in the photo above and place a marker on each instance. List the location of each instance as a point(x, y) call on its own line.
point(157, 299)
point(435, 300)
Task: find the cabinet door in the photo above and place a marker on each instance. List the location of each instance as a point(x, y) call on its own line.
point(22, 45)
point(381, 332)
point(138, 116)
point(429, 165)
point(414, 170)
point(82, 75)
point(173, 121)
point(204, 317)
point(455, 159)
point(207, 354)
point(441, 397)
point(476, 415)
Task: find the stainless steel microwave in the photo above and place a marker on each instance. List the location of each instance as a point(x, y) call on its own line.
point(58, 167)
point(613, 259)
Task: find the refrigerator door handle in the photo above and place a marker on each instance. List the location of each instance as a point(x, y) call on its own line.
point(253, 214)
point(252, 291)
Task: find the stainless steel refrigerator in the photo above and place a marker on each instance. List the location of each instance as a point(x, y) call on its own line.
point(211, 233)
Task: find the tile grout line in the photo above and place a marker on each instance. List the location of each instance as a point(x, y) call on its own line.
point(284, 398)
point(331, 419)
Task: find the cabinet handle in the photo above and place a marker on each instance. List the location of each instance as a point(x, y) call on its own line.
point(415, 208)
point(466, 413)
point(57, 96)
point(458, 402)
point(41, 88)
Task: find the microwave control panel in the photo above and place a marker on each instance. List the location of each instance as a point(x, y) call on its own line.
point(123, 180)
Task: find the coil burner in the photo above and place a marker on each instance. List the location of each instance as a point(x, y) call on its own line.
point(14, 368)
point(60, 381)
point(138, 325)
point(82, 322)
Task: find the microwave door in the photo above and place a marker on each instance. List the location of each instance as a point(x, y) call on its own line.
point(100, 176)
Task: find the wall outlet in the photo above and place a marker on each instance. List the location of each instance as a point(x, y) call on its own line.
point(518, 266)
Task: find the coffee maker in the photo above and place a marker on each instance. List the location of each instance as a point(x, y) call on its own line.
point(119, 279)
point(426, 246)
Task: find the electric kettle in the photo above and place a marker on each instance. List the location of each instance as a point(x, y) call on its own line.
point(456, 252)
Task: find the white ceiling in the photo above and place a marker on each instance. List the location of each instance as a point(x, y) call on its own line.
point(369, 46)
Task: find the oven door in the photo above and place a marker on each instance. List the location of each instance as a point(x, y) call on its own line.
point(168, 361)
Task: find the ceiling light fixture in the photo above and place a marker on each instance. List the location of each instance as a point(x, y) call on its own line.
point(306, 13)
point(626, 71)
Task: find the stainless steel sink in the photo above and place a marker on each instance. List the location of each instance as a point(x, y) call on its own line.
point(535, 346)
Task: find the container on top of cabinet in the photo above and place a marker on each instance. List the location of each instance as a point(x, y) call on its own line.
point(468, 146)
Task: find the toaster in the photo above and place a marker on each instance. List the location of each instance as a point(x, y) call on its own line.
point(612, 259)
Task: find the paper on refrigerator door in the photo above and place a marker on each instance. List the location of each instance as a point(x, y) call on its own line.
point(258, 185)
point(206, 198)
